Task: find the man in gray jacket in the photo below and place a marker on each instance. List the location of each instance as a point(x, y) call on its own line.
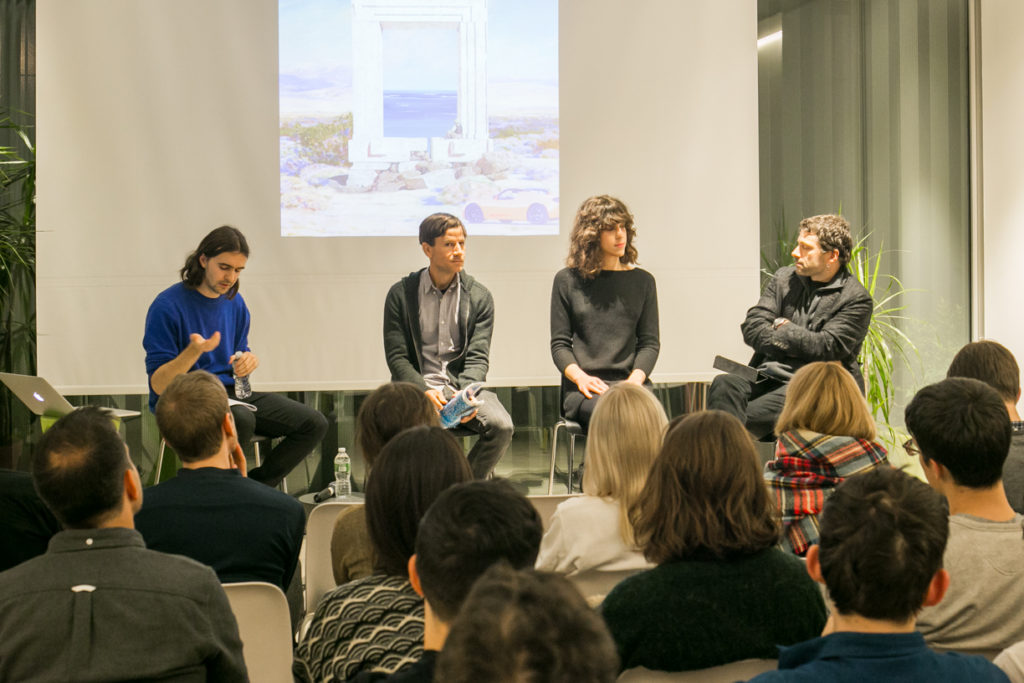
point(99, 606)
point(814, 310)
point(437, 335)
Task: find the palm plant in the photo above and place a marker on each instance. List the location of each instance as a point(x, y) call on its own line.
point(17, 266)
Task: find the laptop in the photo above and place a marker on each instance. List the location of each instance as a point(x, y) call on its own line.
point(42, 399)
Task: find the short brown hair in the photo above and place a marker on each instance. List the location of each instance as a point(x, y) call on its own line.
point(824, 398)
point(594, 216)
point(624, 438)
point(437, 224)
point(190, 415)
point(526, 626)
point(389, 409)
point(989, 362)
point(705, 494)
point(833, 233)
point(883, 535)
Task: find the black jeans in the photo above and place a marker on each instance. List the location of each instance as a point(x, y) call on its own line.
point(757, 405)
point(278, 416)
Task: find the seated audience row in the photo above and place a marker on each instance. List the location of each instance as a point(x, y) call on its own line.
point(376, 623)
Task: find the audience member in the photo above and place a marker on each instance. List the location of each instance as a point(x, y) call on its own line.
point(27, 525)
point(469, 528)
point(590, 536)
point(376, 623)
point(992, 363)
point(722, 586)
point(388, 409)
point(604, 310)
point(961, 430)
point(880, 555)
point(99, 606)
point(825, 434)
point(211, 511)
point(526, 626)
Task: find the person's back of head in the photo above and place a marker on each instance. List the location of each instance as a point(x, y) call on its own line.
point(705, 494)
point(190, 415)
point(79, 469)
point(883, 535)
point(963, 425)
point(989, 362)
point(527, 626)
point(623, 440)
point(388, 410)
point(411, 472)
point(824, 398)
point(469, 528)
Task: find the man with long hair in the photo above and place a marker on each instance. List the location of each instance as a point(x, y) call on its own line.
point(201, 323)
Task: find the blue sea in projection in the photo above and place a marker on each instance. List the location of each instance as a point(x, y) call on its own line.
point(409, 114)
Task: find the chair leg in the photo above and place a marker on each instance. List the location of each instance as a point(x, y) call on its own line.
point(554, 452)
point(256, 451)
point(572, 457)
point(159, 462)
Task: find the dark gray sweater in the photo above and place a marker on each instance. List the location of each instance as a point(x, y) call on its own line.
point(607, 325)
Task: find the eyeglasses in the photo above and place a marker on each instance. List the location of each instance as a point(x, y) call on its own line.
point(911, 448)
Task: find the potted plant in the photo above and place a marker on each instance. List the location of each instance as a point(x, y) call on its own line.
point(17, 276)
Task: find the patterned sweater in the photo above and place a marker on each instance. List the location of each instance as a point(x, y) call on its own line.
point(372, 624)
point(807, 468)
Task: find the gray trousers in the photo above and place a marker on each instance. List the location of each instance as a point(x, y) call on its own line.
point(494, 427)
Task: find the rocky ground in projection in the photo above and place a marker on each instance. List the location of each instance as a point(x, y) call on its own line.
point(322, 194)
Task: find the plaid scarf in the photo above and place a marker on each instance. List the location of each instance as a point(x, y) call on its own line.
point(806, 469)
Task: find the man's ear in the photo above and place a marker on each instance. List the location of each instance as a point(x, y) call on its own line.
point(814, 564)
point(132, 484)
point(203, 260)
point(937, 588)
point(414, 577)
point(229, 425)
point(427, 249)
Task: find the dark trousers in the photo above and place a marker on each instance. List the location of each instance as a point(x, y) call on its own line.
point(756, 404)
point(278, 416)
point(494, 427)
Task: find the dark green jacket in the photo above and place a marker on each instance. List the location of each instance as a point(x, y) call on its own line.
point(403, 340)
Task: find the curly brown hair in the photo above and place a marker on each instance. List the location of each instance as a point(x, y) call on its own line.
point(833, 234)
point(596, 215)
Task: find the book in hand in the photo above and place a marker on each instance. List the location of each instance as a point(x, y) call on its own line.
point(460, 405)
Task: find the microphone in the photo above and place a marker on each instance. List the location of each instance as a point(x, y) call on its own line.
point(324, 495)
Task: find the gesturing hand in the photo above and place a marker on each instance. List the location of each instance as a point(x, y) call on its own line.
point(200, 344)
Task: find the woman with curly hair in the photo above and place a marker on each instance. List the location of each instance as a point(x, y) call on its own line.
point(604, 310)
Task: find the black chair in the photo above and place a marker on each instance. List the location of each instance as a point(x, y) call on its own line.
point(573, 430)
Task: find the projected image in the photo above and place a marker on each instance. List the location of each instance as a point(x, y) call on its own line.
point(391, 111)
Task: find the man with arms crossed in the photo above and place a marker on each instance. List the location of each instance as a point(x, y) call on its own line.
point(199, 323)
point(437, 335)
point(880, 555)
point(210, 511)
point(814, 310)
point(99, 606)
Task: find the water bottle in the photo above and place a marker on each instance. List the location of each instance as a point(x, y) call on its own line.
point(460, 405)
point(342, 474)
point(243, 389)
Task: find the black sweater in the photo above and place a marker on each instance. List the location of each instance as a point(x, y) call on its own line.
point(608, 325)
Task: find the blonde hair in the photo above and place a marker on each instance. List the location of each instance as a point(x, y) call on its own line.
point(624, 438)
point(824, 398)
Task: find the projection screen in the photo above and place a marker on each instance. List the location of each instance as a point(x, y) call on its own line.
point(159, 120)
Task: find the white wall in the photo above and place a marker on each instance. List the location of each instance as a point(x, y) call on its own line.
point(157, 121)
point(1002, 173)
